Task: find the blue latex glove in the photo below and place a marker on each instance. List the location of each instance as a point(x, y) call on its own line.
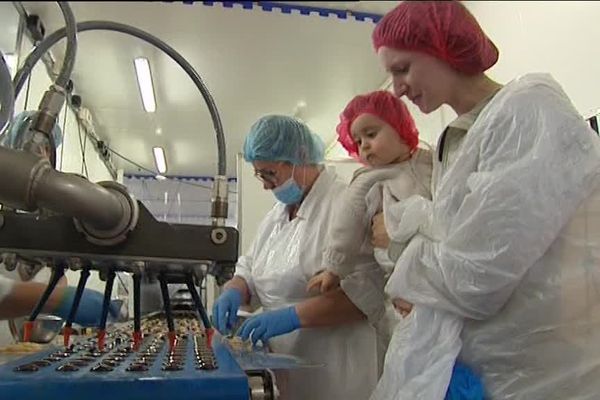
point(271, 323)
point(225, 310)
point(90, 307)
point(464, 384)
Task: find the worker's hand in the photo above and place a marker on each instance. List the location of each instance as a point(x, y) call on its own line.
point(269, 324)
point(89, 311)
point(63, 282)
point(380, 236)
point(464, 384)
point(225, 310)
point(403, 307)
point(323, 282)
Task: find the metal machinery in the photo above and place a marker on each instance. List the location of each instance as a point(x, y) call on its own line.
point(100, 227)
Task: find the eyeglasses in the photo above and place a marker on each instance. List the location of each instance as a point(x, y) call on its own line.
point(266, 176)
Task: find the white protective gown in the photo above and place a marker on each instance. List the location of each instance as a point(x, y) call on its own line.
point(283, 257)
point(514, 245)
point(6, 286)
point(423, 347)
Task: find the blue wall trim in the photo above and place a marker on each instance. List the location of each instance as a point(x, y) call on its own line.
point(179, 177)
point(285, 8)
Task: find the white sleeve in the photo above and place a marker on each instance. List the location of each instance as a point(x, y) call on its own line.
point(537, 162)
point(348, 232)
point(364, 287)
point(6, 286)
point(245, 263)
point(407, 204)
point(243, 269)
point(404, 219)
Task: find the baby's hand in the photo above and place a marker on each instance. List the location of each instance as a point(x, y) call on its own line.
point(402, 306)
point(380, 237)
point(323, 282)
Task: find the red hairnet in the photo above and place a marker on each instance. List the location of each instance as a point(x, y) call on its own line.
point(384, 105)
point(443, 29)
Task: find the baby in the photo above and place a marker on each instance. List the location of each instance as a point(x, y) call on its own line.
point(378, 130)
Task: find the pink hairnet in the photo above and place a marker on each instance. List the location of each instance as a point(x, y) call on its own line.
point(443, 29)
point(384, 105)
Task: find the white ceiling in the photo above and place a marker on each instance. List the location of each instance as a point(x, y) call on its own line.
point(253, 62)
point(9, 26)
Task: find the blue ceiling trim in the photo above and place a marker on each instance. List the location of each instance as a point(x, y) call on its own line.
point(285, 8)
point(178, 177)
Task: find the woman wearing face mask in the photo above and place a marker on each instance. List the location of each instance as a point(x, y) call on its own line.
point(329, 329)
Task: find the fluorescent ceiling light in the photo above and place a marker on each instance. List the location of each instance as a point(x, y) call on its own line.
point(11, 63)
point(160, 159)
point(144, 78)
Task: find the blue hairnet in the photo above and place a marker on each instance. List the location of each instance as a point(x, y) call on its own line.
point(281, 138)
point(18, 132)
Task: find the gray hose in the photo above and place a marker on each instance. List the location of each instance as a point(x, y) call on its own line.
point(53, 38)
point(7, 96)
point(69, 59)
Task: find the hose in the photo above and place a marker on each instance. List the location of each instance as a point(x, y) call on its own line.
point(69, 60)
point(7, 96)
point(53, 38)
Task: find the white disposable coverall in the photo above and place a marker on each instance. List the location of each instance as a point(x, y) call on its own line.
point(514, 245)
point(6, 286)
point(283, 257)
point(424, 346)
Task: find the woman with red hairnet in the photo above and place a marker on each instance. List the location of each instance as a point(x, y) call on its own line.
point(511, 238)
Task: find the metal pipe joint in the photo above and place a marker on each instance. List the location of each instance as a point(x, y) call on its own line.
point(104, 212)
point(219, 207)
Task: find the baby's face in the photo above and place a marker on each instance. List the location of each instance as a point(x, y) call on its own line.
point(378, 143)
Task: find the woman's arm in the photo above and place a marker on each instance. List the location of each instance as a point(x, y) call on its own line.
point(536, 164)
point(329, 309)
point(23, 296)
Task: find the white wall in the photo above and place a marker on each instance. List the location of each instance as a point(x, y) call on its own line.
point(9, 23)
point(253, 203)
point(559, 37)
